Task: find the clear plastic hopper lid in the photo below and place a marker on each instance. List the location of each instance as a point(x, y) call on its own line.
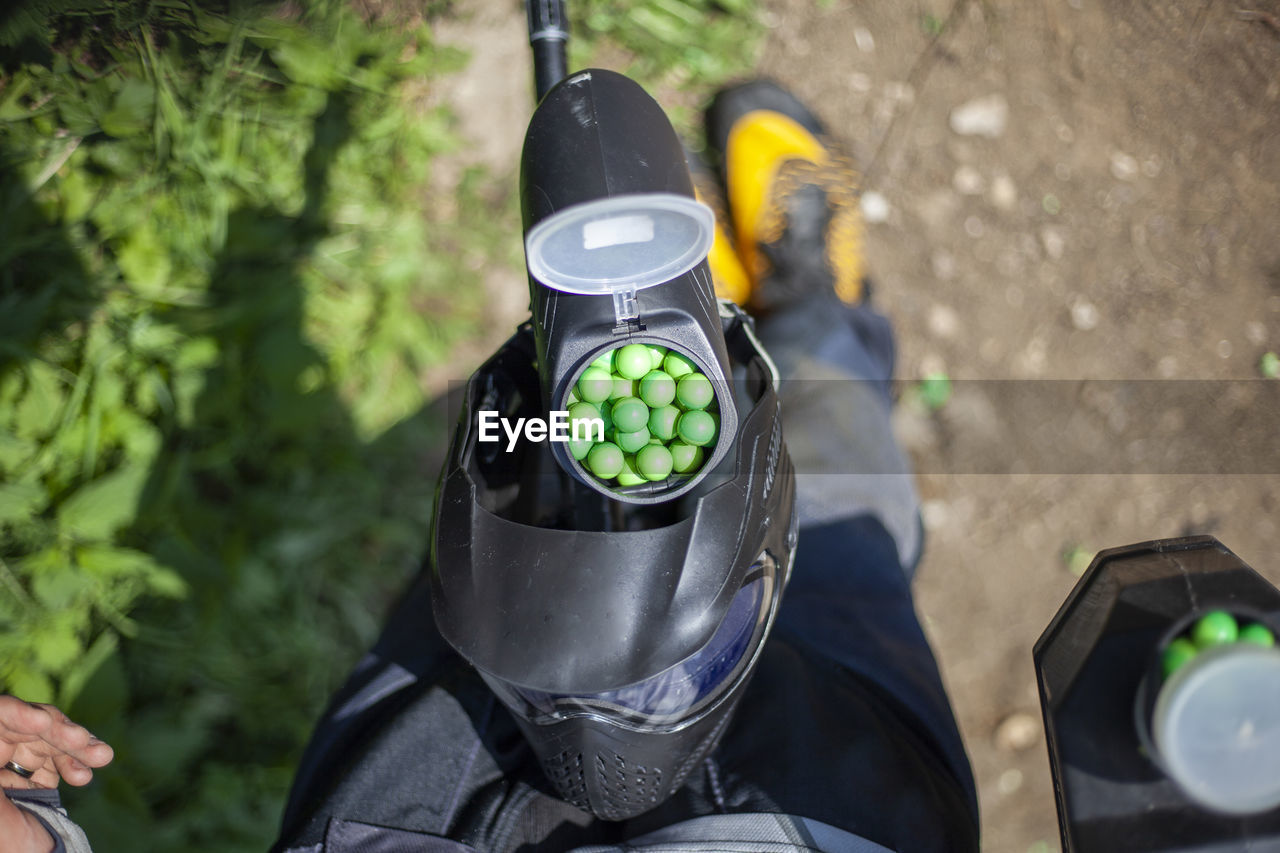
point(1217, 728)
point(618, 245)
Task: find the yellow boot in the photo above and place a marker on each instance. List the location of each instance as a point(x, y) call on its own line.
point(792, 197)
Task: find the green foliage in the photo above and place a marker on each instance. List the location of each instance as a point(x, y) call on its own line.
point(225, 268)
point(222, 278)
point(689, 45)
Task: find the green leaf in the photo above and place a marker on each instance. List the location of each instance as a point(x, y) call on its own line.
point(141, 438)
point(110, 562)
point(196, 354)
point(10, 383)
point(58, 587)
point(29, 683)
point(77, 117)
point(167, 583)
point(20, 500)
point(187, 388)
point(682, 11)
point(99, 509)
point(144, 259)
point(78, 194)
point(268, 33)
point(13, 451)
point(306, 61)
point(123, 159)
point(18, 86)
point(133, 110)
point(57, 644)
point(211, 28)
point(40, 407)
point(155, 338)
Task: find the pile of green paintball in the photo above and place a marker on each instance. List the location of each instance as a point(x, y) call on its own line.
point(658, 410)
point(1215, 628)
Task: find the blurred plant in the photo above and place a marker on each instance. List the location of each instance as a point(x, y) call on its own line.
point(691, 46)
point(224, 270)
point(225, 267)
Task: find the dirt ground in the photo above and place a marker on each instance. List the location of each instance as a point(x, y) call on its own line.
point(1070, 190)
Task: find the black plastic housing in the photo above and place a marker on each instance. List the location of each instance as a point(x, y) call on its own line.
point(542, 583)
point(597, 608)
point(1092, 662)
point(597, 135)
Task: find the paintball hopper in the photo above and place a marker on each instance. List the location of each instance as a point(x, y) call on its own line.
point(1149, 753)
point(616, 249)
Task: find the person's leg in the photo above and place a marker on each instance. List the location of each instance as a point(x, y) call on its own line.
point(849, 599)
point(836, 362)
point(850, 596)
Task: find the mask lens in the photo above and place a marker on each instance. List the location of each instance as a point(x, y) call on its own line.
point(679, 692)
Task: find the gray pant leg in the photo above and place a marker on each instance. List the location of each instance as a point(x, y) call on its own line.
point(836, 362)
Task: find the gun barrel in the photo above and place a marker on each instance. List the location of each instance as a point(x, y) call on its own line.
point(549, 38)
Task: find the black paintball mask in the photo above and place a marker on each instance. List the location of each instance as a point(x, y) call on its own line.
point(619, 624)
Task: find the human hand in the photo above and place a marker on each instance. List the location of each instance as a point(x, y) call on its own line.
point(43, 740)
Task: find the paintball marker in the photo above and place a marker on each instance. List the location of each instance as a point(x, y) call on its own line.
point(614, 588)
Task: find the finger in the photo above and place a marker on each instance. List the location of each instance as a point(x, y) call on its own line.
point(35, 757)
point(49, 764)
point(23, 720)
point(68, 736)
point(10, 779)
point(41, 738)
point(62, 733)
point(72, 771)
point(98, 753)
point(42, 778)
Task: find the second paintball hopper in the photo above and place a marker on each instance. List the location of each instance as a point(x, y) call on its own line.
point(1146, 757)
point(616, 247)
